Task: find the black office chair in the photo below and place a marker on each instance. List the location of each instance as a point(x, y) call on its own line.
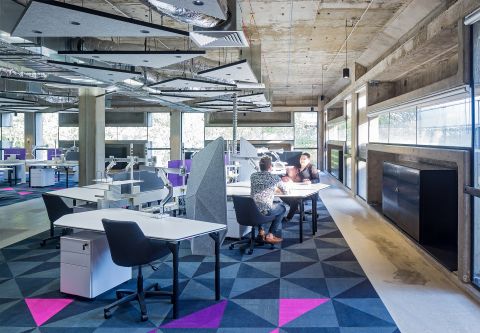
point(248, 215)
point(129, 248)
point(56, 208)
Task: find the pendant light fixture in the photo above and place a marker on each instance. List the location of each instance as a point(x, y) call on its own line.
point(346, 70)
point(322, 96)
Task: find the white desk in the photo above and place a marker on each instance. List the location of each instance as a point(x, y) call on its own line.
point(169, 229)
point(80, 193)
point(19, 167)
point(52, 164)
point(298, 191)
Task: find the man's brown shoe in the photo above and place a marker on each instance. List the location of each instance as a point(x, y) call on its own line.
point(272, 239)
point(261, 236)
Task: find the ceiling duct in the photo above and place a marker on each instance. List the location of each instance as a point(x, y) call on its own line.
point(205, 15)
point(226, 34)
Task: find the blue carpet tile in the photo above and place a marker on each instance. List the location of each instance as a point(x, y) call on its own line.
point(22, 192)
point(316, 286)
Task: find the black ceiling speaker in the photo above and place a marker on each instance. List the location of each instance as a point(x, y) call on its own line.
point(346, 73)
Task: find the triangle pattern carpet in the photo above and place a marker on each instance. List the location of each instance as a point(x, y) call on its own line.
point(314, 286)
point(10, 195)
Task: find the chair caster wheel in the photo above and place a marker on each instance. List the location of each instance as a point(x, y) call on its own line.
point(144, 317)
point(107, 314)
point(231, 247)
point(249, 251)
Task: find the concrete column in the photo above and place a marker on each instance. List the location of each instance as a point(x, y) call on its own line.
point(176, 135)
point(91, 123)
point(30, 133)
point(321, 129)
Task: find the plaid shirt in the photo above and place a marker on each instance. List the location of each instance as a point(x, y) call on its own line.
point(263, 186)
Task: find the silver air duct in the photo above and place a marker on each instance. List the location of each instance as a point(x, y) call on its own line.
point(186, 15)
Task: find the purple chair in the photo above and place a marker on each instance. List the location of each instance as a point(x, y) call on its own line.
point(175, 179)
point(52, 152)
point(19, 152)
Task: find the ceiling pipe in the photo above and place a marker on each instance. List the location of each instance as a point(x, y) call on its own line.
point(186, 15)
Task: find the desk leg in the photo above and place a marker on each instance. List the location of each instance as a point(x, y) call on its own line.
point(15, 181)
point(66, 175)
point(314, 215)
point(302, 216)
point(216, 238)
point(9, 172)
point(30, 176)
point(174, 247)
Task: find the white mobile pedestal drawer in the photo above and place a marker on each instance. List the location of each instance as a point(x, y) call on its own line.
point(42, 177)
point(86, 267)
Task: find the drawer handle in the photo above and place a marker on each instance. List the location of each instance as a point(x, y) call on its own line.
point(84, 246)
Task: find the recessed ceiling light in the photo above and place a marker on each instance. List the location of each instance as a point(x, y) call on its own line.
point(239, 67)
point(36, 31)
point(198, 3)
point(145, 61)
point(75, 23)
point(178, 56)
point(95, 56)
point(144, 31)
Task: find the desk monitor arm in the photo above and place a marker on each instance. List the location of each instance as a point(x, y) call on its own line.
point(162, 174)
point(110, 165)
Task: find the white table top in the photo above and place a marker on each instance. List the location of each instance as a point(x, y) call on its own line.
point(118, 182)
point(245, 191)
point(290, 185)
point(100, 186)
point(166, 228)
point(11, 163)
point(54, 164)
point(5, 169)
point(79, 193)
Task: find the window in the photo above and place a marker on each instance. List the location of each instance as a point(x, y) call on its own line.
point(212, 133)
point(50, 129)
point(193, 130)
point(446, 124)
point(402, 127)
point(266, 133)
point(13, 136)
point(441, 124)
point(378, 128)
point(306, 133)
point(68, 134)
point(337, 130)
point(362, 135)
point(125, 133)
point(159, 135)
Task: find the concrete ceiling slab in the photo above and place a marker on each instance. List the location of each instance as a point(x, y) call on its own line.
point(182, 83)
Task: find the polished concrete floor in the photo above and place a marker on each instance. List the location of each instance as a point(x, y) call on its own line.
point(418, 296)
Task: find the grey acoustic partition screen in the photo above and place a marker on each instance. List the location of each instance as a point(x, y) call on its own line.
point(206, 197)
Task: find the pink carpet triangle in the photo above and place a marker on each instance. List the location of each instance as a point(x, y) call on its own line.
point(42, 309)
point(209, 317)
point(292, 308)
point(277, 330)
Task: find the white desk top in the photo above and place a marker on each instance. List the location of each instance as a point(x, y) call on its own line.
point(166, 228)
point(79, 193)
point(290, 185)
point(11, 163)
point(245, 191)
point(100, 186)
point(118, 182)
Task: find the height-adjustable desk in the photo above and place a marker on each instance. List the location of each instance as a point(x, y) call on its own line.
point(169, 229)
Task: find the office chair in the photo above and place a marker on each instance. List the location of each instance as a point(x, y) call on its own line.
point(248, 215)
point(56, 208)
point(129, 248)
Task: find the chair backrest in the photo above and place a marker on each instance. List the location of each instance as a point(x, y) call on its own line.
point(128, 245)
point(247, 212)
point(56, 207)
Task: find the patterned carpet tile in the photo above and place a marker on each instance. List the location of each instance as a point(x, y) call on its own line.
point(314, 286)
